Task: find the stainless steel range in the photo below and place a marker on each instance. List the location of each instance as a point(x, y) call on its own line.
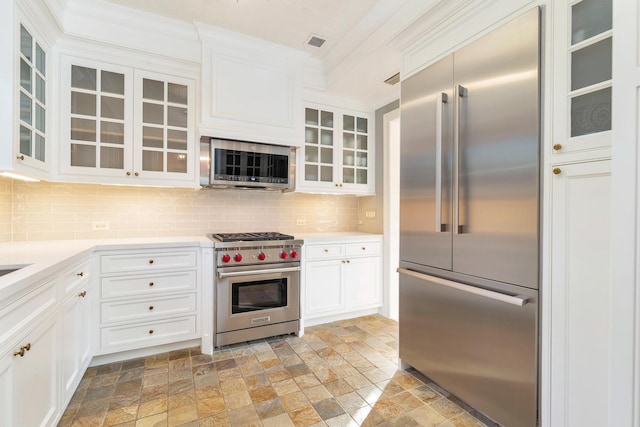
point(257, 286)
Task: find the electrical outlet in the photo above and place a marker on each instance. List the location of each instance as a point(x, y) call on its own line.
point(301, 222)
point(370, 214)
point(100, 225)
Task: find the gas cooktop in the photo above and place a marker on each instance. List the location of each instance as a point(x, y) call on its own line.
point(250, 237)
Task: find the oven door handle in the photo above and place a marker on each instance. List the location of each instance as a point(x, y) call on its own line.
point(222, 275)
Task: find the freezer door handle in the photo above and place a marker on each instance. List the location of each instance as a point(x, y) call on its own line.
point(442, 99)
point(463, 92)
point(519, 300)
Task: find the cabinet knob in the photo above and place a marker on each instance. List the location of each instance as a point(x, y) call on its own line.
point(557, 171)
point(82, 294)
point(150, 261)
point(150, 283)
point(343, 261)
point(21, 157)
point(22, 350)
point(150, 307)
point(326, 251)
point(150, 331)
point(364, 248)
point(136, 174)
point(557, 147)
point(81, 274)
point(348, 261)
point(128, 173)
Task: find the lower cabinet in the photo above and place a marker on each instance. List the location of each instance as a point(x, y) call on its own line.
point(342, 276)
point(147, 298)
point(580, 294)
point(28, 378)
point(76, 327)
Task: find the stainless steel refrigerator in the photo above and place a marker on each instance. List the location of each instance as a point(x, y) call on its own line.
point(469, 221)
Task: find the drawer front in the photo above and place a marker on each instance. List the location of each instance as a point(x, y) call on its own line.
point(367, 248)
point(324, 251)
point(17, 315)
point(147, 261)
point(150, 333)
point(148, 284)
point(119, 311)
point(75, 277)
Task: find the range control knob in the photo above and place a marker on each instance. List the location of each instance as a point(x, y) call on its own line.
point(262, 256)
point(226, 258)
point(284, 255)
point(237, 257)
point(294, 254)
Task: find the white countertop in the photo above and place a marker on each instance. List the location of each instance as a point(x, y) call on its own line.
point(43, 258)
point(342, 236)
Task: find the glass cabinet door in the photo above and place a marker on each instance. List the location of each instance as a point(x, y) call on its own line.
point(355, 149)
point(164, 126)
point(319, 146)
point(32, 95)
point(97, 118)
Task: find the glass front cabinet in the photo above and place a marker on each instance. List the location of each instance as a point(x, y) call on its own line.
point(134, 126)
point(31, 142)
point(338, 152)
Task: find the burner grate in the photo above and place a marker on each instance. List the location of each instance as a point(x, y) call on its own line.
point(251, 237)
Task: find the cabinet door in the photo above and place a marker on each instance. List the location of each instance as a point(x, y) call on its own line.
point(164, 132)
point(323, 286)
point(356, 162)
point(75, 340)
point(35, 376)
point(32, 93)
point(95, 121)
point(319, 148)
point(362, 282)
point(580, 294)
point(6, 390)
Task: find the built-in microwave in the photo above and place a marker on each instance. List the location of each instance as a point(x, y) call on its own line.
point(225, 163)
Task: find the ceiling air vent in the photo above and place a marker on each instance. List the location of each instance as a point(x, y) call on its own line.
point(393, 79)
point(315, 40)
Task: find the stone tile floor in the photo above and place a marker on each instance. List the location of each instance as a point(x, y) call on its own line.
point(338, 374)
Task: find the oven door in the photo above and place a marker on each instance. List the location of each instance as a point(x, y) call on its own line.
point(247, 297)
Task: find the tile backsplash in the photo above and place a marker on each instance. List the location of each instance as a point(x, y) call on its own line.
point(49, 211)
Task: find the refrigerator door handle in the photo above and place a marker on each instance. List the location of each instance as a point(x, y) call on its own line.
point(518, 300)
point(442, 99)
point(462, 93)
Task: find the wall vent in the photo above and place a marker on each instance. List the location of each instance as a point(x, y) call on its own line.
point(316, 40)
point(393, 79)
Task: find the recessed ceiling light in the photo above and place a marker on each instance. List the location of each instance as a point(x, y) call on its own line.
point(316, 40)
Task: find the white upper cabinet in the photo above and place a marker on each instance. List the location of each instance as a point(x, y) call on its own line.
point(25, 145)
point(131, 126)
point(582, 79)
point(338, 152)
point(250, 88)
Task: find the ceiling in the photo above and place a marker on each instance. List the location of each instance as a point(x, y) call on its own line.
point(357, 55)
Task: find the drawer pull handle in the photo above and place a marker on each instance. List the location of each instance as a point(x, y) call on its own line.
point(20, 157)
point(82, 294)
point(81, 274)
point(150, 331)
point(150, 261)
point(150, 283)
point(150, 307)
point(22, 350)
point(326, 251)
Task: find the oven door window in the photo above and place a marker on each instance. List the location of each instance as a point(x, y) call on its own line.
point(258, 295)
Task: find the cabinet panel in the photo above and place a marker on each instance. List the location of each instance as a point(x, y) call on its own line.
point(7, 406)
point(580, 294)
point(147, 261)
point(368, 248)
point(76, 340)
point(147, 334)
point(362, 282)
point(118, 311)
point(323, 286)
point(19, 314)
point(150, 284)
point(35, 376)
point(324, 251)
